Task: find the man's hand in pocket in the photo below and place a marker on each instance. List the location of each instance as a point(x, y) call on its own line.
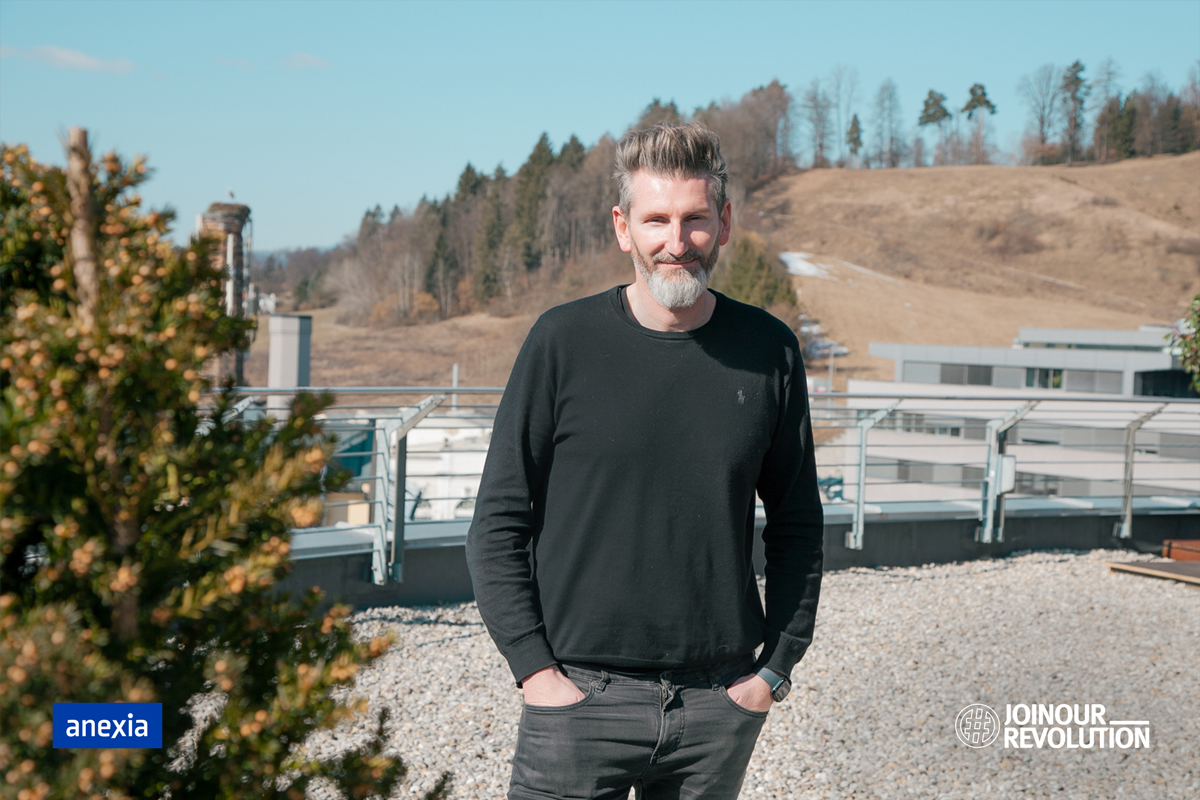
point(550, 687)
point(751, 692)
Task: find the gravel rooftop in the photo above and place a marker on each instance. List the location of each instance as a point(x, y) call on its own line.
point(897, 654)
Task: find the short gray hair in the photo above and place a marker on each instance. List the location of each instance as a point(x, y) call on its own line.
point(687, 151)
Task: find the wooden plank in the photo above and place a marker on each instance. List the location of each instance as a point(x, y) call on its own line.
point(1186, 572)
point(1182, 549)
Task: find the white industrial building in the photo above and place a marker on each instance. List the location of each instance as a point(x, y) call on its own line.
point(1141, 362)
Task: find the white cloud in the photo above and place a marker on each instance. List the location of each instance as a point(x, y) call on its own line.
point(65, 58)
point(304, 61)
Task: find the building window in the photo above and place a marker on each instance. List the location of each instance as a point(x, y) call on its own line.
point(922, 372)
point(965, 374)
point(1086, 380)
point(979, 375)
point(1163, 383)
point(955, 374)
point(1008, 377)
point(1037, 378)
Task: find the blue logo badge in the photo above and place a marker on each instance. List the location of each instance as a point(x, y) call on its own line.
point(108, 725)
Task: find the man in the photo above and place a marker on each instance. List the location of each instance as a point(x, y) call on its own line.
point(611, 546)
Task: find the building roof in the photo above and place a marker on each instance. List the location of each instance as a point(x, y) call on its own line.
point(1048, 358)
point(1147, 337)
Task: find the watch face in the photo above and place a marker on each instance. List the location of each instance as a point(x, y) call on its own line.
point(781, 691)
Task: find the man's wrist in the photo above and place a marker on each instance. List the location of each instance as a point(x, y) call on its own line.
point(537, 673)
point(779, 684)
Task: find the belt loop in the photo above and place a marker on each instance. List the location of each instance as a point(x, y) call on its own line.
point(603, 681)
point(714, 679)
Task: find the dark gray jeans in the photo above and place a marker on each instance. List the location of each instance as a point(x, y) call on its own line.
point(669, 735)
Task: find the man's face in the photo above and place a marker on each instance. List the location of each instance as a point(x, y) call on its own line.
point(674, 235)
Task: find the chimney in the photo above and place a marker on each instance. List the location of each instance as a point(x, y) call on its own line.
point(287, 366)
point(225, 222)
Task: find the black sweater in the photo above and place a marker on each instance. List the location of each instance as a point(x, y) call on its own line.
point(627, 460)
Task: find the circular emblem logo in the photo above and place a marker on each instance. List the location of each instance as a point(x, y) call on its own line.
point(977, 725)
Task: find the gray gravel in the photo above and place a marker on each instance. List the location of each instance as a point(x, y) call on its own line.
point(898, 652)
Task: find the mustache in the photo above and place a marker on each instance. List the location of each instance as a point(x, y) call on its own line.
point(690, 255)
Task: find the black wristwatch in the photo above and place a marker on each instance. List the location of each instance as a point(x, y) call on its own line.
point(780, 686)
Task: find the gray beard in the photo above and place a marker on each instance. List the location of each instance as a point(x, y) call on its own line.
point(677, 288)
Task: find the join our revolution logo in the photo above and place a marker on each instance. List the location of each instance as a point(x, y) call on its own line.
point(977, 725)
point(1056, 725)
point(86, 725)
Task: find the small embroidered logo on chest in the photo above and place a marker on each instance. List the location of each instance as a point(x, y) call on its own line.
point(741, 398)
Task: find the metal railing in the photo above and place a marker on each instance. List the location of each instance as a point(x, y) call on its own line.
point(979, 433)
point(877, 453)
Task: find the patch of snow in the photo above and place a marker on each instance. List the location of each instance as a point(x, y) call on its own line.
point(799, 264)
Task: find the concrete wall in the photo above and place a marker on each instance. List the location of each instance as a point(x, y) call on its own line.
point(432, 575)
point(910, 544)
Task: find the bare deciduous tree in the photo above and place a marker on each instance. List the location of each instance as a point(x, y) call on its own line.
point(889, 138)
point(756, 133)
point(815, 106)
point(1148, 131)
point(916, 152)
point(1105, 86)
point(1040, 91)
point(1190, 113)
point(843, 81)
point(576, 217)
point(383, 268)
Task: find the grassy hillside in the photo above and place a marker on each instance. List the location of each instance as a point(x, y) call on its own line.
point(967, 255)
point(947, 255)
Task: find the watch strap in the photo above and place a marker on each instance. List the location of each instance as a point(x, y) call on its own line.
point(773, 678)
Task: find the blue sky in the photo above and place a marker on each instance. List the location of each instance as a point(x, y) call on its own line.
point(312, 112)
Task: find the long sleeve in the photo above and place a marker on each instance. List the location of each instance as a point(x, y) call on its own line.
point(794, 534)
point(507, 516)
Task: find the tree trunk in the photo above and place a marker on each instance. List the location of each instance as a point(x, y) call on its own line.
point(83, 256)
point(979, 138)
point(87, 284)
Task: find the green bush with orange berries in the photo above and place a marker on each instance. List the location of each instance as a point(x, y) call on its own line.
point(141, 534)
point(1187, 338)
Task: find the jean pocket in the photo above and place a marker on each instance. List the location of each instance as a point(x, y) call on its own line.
point(588, 689)
point(747, 711)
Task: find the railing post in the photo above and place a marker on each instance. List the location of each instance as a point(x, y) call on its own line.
point(1125, 526)
point(381, 468)
point(401, 473)
point(997, 430)
point(854, 536)
point(408, 421)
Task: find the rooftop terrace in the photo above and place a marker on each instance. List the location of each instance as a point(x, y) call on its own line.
point(897, 654)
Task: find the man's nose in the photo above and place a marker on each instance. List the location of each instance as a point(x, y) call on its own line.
point(676, 243)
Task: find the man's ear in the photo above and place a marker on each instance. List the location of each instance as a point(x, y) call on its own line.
point(621, 226)
point(726, 223)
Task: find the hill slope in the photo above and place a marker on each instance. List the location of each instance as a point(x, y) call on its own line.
point(946, 255)
point(967, 255)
